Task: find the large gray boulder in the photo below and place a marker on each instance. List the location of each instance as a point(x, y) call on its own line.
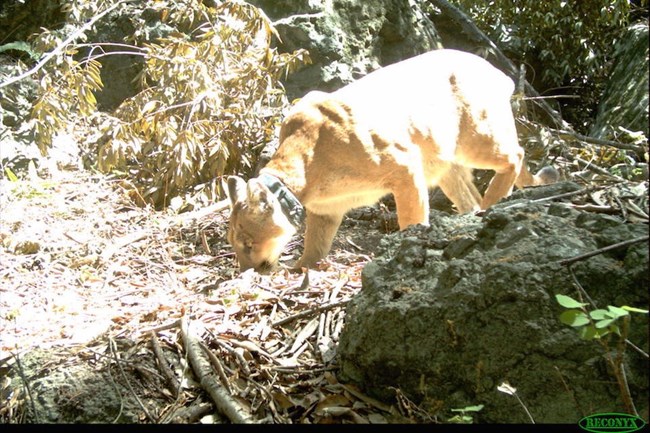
point(347, 39)
point(449, 312)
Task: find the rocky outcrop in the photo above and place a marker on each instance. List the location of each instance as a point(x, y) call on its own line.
point(347, 39)
point(449, 312)
point(625, 101)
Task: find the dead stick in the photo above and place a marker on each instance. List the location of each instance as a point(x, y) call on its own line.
point(309, 312)
point(163, 365)
point(225, 403)
point(218, 366)
point(113, 349)
point(602, 250)
point(236, 354)
point(203, 212)
point(596, 169)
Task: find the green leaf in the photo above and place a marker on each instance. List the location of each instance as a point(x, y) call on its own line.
point(21, 46)
point(617, 312)
point(569, 302)
point(634, 310)
point(604, 323)
point(574, 318)
point(11, 175)
point(471, 408)
point(599, 314)
point(590, 332)
point(460, 419)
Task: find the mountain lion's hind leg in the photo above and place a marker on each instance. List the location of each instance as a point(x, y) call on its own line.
point(507, 168)
point(412, 202)
point(457, 185)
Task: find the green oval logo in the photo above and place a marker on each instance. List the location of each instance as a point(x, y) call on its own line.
point(611, 422)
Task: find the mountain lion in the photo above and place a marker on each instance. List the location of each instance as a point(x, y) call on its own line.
point(423, 122)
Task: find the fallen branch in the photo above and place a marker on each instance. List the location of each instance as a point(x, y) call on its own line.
point(596, 169)
point(216, 363)
point(225, 403)
point(600, 141)
point(309, 312)
point(163, 365)
point(602, 250)
point(203, 212)
point(564, 134)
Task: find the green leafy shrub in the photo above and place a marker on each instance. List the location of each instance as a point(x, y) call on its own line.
point(210, 99)
point(600, 325)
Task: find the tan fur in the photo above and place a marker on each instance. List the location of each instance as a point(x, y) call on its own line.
point(403, 129)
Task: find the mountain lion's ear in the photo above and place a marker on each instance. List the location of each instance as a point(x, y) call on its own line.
point(236, 190)
point(259, 198)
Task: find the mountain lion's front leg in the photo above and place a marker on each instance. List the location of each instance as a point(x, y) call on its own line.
point(319, 234)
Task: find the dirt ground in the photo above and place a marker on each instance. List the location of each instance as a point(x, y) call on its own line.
point(112, 313)
point(101, 303)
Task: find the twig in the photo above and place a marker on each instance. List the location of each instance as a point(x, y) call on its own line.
point(188, 415)
point(309, 312)
point(21, 373)
point(596, 169)
point(553, 197)
point(121, 243)
point(163, 327)
point(112, 346)
point(61, 46)
point(619, 369)
point(203, 212)
point(218, 366)
point(581, 289)
point(532, 420)
point(637, 349)
point(602, 250)
point(225, 403)
point(568, 391)
point(565, 195)
point(368, 400)
point(610, 210)
point(236, 354)
point(599, 141)
point(534, 98)
point(162, 364)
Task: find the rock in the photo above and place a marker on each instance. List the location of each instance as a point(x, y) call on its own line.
point(625, 101)
point(119, 72)
point(449, 312)
point(347, 39)
point(80, 393)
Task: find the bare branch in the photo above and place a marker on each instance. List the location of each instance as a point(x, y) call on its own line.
point(61, 46)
